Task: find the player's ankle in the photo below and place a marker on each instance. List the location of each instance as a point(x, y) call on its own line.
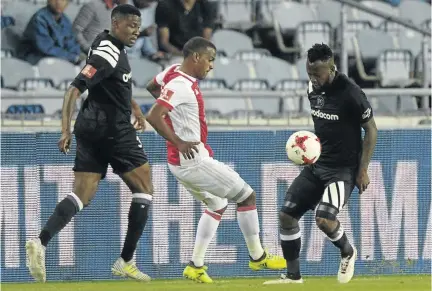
point(264, 255)
point(293, 276)
point(196, 266)
point(347, 251)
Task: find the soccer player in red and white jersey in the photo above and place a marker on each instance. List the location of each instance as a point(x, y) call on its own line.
point(179, 116)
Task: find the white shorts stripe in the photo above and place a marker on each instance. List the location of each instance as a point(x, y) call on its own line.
point(326, 196)
point(109, 51)
point(110, 44)
point(143, 196)
point(341, 186)
point(107, 57)
point(334, 195)
point(288, 237)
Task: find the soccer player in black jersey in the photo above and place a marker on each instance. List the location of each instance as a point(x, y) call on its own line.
point(339, 110)
point(104, 135)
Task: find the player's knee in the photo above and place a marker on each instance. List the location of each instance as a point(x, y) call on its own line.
point(216, 205)
point(85, 187)
point(286, 221)
point(249, 201)
point(326, 225)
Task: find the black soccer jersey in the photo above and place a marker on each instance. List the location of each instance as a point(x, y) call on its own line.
point(107, 76)
point(338, 111)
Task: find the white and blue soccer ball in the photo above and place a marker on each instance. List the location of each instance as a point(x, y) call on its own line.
point(303, 148)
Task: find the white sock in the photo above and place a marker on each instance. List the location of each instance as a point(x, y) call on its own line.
point(247, 217)
point(207, 227)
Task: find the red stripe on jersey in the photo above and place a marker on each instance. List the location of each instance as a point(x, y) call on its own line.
point(164, 104)
point(246, 208)
point(173, 153)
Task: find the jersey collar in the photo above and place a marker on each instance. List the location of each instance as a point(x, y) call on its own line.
point(114, 40)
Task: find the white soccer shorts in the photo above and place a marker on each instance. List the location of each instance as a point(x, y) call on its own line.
point(212, 182)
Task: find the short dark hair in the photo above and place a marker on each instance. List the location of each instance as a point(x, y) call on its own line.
point(196, 45)
point(125, 9)
point(319, 52)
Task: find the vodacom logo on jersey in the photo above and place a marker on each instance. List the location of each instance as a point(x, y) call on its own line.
point(320, 114)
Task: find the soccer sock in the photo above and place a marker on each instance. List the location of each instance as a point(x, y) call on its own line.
point(340, 240)
point(291, 244)
point(62, 215)
point(206, 230)
point(247, 217)
point(138, 214)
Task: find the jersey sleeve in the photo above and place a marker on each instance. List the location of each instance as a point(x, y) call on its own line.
point(362, 108)
point(101, 62)
point(175, 93)
point(158, 79)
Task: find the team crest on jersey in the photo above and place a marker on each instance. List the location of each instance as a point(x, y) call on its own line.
point(89, 71)
point(320, 102)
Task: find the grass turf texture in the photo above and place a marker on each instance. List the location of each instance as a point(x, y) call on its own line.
point(372, 283)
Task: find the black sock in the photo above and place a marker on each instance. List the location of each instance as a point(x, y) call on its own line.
point(62, 215)
point(344, 245)
point(291, 253)
point(138, 214)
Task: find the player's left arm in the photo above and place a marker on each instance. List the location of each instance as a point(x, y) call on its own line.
point(140, 121)
point(364, 113)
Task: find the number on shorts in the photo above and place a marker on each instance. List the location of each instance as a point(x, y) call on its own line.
point(139, 143)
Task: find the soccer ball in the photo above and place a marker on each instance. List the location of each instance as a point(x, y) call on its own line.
point(303, 148)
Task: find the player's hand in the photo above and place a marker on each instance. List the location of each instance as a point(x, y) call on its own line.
point(140, 122)
point(187, 149)
point(65, 142)
point(362, 181)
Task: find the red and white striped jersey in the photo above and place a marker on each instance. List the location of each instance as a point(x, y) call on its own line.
point(181, 95)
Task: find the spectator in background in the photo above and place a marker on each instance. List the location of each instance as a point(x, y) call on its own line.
point(92, 19)
point(49, 34)
point(180, 20)
point(144, 45)
point(7, 21)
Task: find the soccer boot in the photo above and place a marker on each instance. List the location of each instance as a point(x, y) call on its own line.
point(269, 261)
point(36, 259)
point(346, 268)
point(197, 274)
point(128, 270)
point(284, 279)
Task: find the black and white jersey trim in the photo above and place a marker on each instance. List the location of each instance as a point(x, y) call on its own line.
point(108, 51)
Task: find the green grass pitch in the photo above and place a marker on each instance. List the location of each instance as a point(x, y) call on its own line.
point(372, 283)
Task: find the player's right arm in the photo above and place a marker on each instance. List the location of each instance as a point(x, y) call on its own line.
point(170, 97)
point(100, 65)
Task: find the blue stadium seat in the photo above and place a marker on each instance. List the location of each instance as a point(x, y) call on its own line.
point(25, 109)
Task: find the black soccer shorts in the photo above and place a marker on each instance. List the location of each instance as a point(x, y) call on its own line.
point(322, 188)
point(123, 154)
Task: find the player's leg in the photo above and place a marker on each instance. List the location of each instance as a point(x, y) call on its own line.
point(89, 169)
point(302, 195)
point(130, 162)
point(206, 230)
point(335, 196)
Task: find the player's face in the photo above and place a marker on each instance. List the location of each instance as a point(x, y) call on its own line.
point(320, 73)
point(205, 62)
point(58, 6)
point(127, 29)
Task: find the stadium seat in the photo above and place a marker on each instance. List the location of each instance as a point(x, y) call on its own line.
point(416, 11)
point(290, 14)
point(236, 14)
point(269, 106)
point(330, 11)
point(226, 106)
point(230, 70)
point(9, 42)
point(274, 70)
point(309, 33)
point(58, 70)
point(381, 41)
point(251, 85)
point(25, 109)
point(49, 99)
point(394, 68)
point(411, 41)
point(291, 105)
point(22, 12)
point(353, 27)
point(419, 64)
point(14, 71)
point(393, 105)
point(230, 42)
point(212, 84)
point(301, 69)
point(143, 71)
point(376, 5)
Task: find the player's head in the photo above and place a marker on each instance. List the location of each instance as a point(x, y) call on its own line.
point(199, 53)
point(125, 23)
point(58, 6)
point(320, 65)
